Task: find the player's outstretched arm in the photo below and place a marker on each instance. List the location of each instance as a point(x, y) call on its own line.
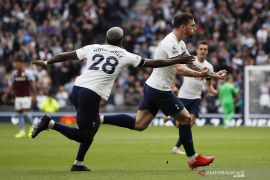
point(183, 70)
point(181, 59)
point(65, 56)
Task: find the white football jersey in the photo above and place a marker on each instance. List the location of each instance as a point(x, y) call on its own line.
point(104, 63)
point(169, 47)
point(192, 87)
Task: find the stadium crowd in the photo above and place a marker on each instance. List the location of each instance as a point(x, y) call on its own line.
point(237, 32)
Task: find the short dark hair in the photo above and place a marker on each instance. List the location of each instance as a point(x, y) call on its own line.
point(201, 42)
point(182, 19)
point(114, 36)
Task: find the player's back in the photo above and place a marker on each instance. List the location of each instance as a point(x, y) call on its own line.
point(104, 63)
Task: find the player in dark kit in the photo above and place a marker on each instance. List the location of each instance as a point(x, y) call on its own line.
point(23, 84)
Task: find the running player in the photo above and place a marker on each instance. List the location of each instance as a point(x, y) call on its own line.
point(191, 90)
point(104, 63)
point(159, 96)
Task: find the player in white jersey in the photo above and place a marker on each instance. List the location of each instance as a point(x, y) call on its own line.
point(104, 63)
point(158, 93)
point(191, 90)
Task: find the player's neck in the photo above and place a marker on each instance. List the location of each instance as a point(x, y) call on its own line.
point(201, 60)
point(179, 36)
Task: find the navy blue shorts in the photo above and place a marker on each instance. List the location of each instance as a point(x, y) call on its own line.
point(154, 100)
point(192, 105)
point(86, 103)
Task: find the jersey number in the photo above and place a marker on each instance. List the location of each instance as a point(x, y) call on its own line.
point(108, 67)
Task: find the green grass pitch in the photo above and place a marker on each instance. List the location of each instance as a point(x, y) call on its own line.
point(119, 153)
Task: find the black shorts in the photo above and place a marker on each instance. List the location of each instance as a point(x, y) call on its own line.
point(86, 103)
point(154, 100)
point(192, 105)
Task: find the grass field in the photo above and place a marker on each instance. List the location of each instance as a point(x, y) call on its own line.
point(119, 153)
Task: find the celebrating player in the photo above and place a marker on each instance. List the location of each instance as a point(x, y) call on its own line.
point(158, 94)
point(104, 63)
point(191, 90)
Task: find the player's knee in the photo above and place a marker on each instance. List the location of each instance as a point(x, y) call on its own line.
point(186, 119)
point(88, 134)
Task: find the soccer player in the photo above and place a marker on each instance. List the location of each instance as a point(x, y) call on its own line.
point(158, 94)
point(226, 96)
point(23, 84)
point(104, 63)
point(190, 91)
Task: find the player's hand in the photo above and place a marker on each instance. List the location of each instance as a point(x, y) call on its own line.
point(175, 90)
point(185, 58)
point(215, 75)
point(39, 63)
point(222, 73)
point(204, 72)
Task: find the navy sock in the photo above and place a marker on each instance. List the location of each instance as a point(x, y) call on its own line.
point(71, 133)
point(85, 146)
point(121, 120)
point(186, 137)
point(179, 142)
point(82, 150)
point(173, 120)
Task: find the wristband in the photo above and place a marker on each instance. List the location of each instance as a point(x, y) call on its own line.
point(45, 63)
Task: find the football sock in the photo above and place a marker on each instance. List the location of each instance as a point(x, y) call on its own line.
point(85, 146)
point(121, 120)
point(71, 133)
point(186, 138)
point(28, 117)
point(21, 123)
point(82, 150)
point(172, 120)
point(179, 142)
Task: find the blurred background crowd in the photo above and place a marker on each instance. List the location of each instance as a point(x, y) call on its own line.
point(237, 32)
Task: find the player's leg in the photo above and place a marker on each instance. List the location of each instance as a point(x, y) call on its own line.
point(140, 122)
point(228, 113)
point(19, 114)
point(173, 106)
point(185, 133)
point(26, 114)
point(144, 116)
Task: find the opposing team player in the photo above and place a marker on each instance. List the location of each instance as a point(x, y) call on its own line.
point(104, 63)
point(191, 90)
point(158, 93)
point(23, 84)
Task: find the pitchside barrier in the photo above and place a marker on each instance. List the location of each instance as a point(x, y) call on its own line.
point(256, 120)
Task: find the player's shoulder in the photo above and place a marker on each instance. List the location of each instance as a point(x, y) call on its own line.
point(169, 40)
point(208, 64)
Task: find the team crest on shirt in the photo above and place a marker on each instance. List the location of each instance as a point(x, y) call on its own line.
point(174, 50)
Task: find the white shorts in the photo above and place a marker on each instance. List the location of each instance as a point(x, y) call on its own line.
point(23, 103)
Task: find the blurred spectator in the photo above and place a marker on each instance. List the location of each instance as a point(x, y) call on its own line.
point(62, 96)
point(50, 105)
